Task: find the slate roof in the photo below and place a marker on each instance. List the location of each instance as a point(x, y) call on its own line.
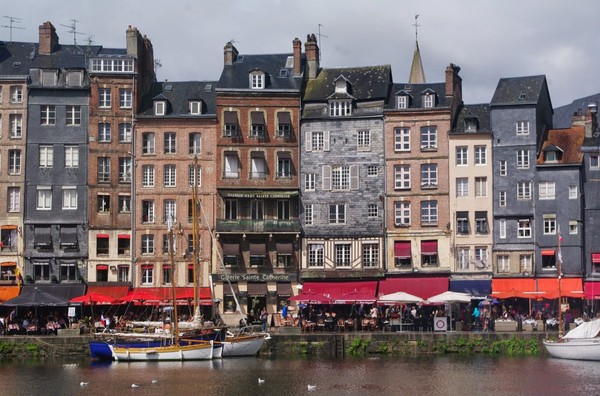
point(178, 94)
point(15, 52)
point(416, 91)
point(568, 141)
point(481, 112)
point(368, 83)
point(563, 115)
point(235, 76)
point(518, 90)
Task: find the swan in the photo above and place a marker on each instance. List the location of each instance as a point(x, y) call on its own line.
point(83, 383)
point(312, 387)
point(135, 386)
point(261, 381)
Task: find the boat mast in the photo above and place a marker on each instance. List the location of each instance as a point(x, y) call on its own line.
point(173, 274)
point(195, 234)
point(559, 269)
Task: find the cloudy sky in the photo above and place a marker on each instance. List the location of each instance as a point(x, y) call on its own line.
point(488, 39)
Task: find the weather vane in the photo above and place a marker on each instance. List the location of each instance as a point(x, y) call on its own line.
point(416, 25)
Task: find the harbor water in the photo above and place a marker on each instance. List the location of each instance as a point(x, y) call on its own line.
point(422, 375)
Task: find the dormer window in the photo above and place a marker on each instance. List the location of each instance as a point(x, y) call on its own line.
point(195, 107)
point(257, 80)
point(340, 108)
point(49, 78)
point(341, 86)
point(471, 124)
point(74, 78)
point(552, 154)
point(160, 107)
point(428, 100)
point(402, 102)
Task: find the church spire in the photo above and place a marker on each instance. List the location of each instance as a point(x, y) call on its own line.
point(417, 75)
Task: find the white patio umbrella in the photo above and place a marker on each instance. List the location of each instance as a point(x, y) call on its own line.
point(399, 297)
point(450, 297)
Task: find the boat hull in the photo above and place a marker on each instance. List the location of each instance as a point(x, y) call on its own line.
point(199, 350)
point(243, 345)
point(580, 349)
point(101, 350)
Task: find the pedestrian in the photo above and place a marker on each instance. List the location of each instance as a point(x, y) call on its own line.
point(263, 319)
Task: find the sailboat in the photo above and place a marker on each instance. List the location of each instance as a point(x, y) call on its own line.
point(179, 347)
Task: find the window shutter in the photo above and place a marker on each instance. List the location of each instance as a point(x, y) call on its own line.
point(308, 141)
point(354, 177)
point(325, 140)
point(326, 177)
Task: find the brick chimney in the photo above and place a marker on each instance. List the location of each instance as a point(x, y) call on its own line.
point(453, 80)
point(312, 56)
point(134, 42)
point(48, 38)
point(297, 56)
point(591, 120)
point(230, 53)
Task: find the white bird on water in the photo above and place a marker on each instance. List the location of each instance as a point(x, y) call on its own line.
point(83, 383)
point(135, 386)
point(261, 381)
point(154, 381)
point(312, 387)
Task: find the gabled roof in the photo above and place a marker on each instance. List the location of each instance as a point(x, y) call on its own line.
point(235, 76)
point(569, 141)
point(518, 90)
point(179, 94)
point(368, 83)
point(481, 112)
point(416, 91)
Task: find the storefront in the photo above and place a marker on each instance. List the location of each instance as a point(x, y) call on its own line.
point(423, 287)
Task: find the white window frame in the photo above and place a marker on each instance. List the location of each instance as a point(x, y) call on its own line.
point(481, 186)
point(402, 139)
point(16, 126)
point(429, 175)
point(370, 255)
point(502, 199)
point(402, 213)
point(402, 179)
point(503, 167)
point(524, 228)
point(72, 157)
point(573, 192)
point(69, 198)
point(47, 115)
point(522, 159)
point(73, 115)
point(125, 98)
point(104, 98)
point(46, 156)
point(402, 102)
point(147, 244)
point(549, 223)
point(160, 107)
point(308, 214)
point(170, 143)
point(594, 162)
point(310, 181)
point(16, 94)
point(195, 175)
point(340, 178)
point(14, 162)
point(257, 80)
point(503, 263)
point(429, 137)
point(502, 228)
point(104, 132)
point(343, 255)
point(522, 128)
point(13, 195)
point(148, 176)
point(232, 166)
point(524, 190)
point(125, 131)
point(104, 169)
point(148, 143)
point(340, 108)
point(480, 155)
point(337, 214)
point(462, 187)
point(170, 175)
point(44, 198)
point(363, 140)
point(125, 168)
point(428, 100)
point(463, 258)
point(195, 107)
point(429, 212)
point(316, 255)
point(573, 227)
point(195, 143)
point(546, 190)
point(462, 156)
point(169, 208)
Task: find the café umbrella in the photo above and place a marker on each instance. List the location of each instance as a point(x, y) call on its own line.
point(450, 297)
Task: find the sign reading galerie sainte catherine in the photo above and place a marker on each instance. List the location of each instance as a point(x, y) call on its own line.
point(255, 277)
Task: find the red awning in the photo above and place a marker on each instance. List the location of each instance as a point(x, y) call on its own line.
point(102, 267)
point(113, 291)
point(164, 295)
point(569, 287)
point(513, 287)
point(103, 236)
point(592, 290)
point(548, 253)
point(402, 249)
point(595, 258)
point(420, 287)
point(343, 292)
point(429, 247)
point(536, 288)
point(8, 292)
point(124, 236)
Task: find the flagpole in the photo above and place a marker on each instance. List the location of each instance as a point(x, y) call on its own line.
point(559, 268)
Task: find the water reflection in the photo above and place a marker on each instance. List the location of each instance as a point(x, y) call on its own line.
point(426, 375)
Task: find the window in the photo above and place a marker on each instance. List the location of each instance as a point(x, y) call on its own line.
point(284, 124)
point(231, 166)
point(48, 115)
point(481, 223)
point(522, 127)
point(524, 229)
point(44, 198)
point(522, 159)
point(147, 274)
point(147, 175)
point(48, 78)
point(573, 227)
point(573, 192)
point(502, 228)
point(166, 274)
point(283, 209)
point(370, 257)
point(103, 201)
point(526, 262)
point(124, 203)
point(471, 124)
point(372, 170)
point(546, 190)
point(170, 175)
point(258, 165)
point(364, 140)
point(257, 80)
point(429, 213)
point(462, 155)
point(125, 169)
point(14, 199)
point(125, 98)
point(148, 244)
point(310, 181)
point(231, 209)
point(169, 211)
point(112, 65)
point(340, 178)
point(16, 126)
point(195, 107)
point(74, 78)
point(342, 255)
point(160, 107)
point(462, 223)
point(429, 138)
point(308, 214)
point(548, 259)
point(550, 157)
point(503, 168)
point(69, 198)
point(481, 186)
point(257, 209)
point(339, 108)
point(401, 177)
point(148, 144)
point(68, 271)
point(549, 224)
point(103, 169)
point(147, 211)
point(402, 254)
point(41, 270)
point(429, 253)
point(195, 176)
point(230, 126)
point(194, 143)
point(317, 141)
point(46, 156)
point(166, 244)
point(104, 98)
point(103, 132)
point(337, 214)
point(502, 198)
point(125, 132)
point(594, 162)
point(170, 141)
point(316, 254)
point(503, 263)
point(16, 94)
point(284, 165)
point(401, 139)
point(123, 273)
point(428, 100)
point(524, 190)
point(462, 186)
point(14, 162)
point(402, 102)
point(373, 211)
point(73, 115)
point(480, 155)
point(462, 258)
point(429, 176)
point(402, 213)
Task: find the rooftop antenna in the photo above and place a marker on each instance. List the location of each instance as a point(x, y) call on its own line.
point(319, 43)
point(12, 21)
point(90, 41)
point(73, 29)
point(416, 25)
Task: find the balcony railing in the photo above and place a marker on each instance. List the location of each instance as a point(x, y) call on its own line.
point(249, 225)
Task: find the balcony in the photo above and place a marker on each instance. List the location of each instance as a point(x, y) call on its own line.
point(249, 225)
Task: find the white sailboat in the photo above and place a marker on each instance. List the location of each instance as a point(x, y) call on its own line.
point(581, 343)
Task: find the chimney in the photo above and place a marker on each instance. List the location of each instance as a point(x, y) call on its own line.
point(591, 120)
point(230, 53)
point(453, 80)
point(134, 42)
point(312, 56)
point(297, 56)
point(578, 118)
point(48, 38)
